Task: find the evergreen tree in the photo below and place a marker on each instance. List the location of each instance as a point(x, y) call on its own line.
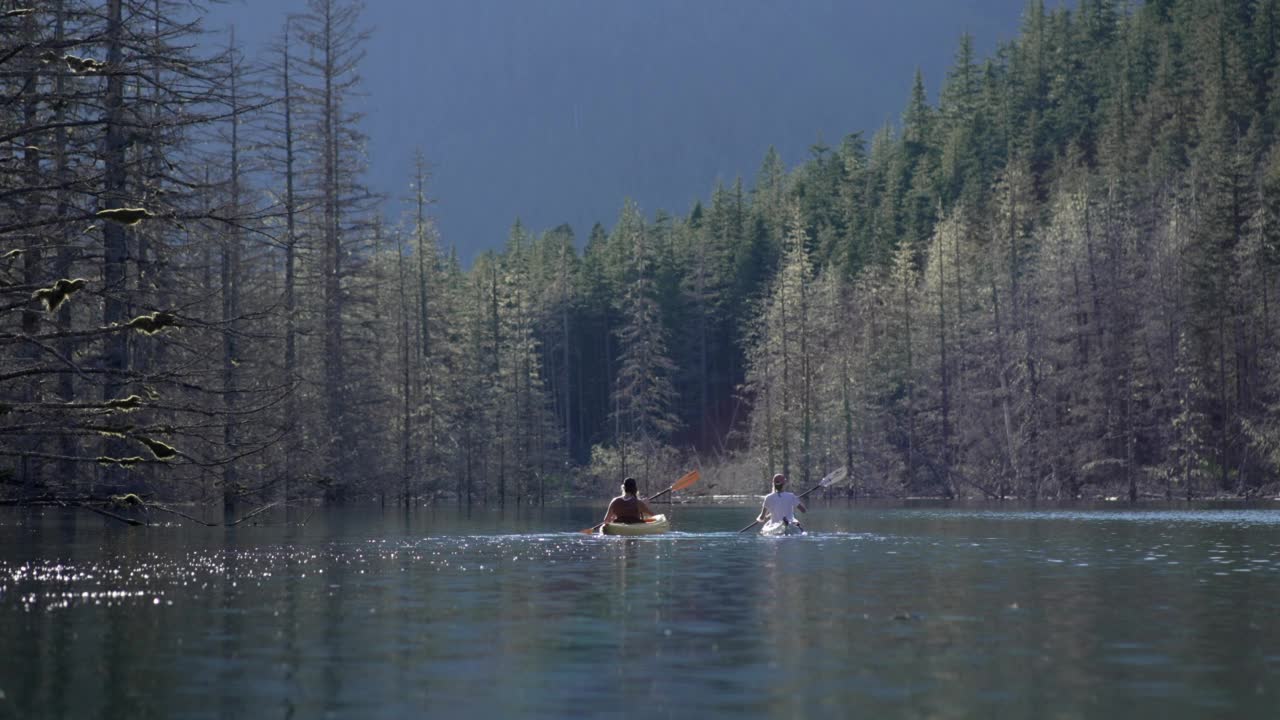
point(643, 394)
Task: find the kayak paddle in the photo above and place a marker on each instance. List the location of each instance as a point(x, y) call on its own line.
point(690, 478)
point(832, 478)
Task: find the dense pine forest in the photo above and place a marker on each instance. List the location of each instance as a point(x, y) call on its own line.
point(1059, 280)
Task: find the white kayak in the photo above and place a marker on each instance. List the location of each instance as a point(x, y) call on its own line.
point(655, 525)
point(778, 529)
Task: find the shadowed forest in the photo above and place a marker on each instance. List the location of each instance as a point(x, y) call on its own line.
point(1057, 280)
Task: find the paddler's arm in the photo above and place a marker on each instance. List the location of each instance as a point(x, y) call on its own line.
point(610, 513)
point(645, 512)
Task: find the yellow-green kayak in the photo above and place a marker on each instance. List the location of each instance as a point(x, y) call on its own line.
point(653, 526)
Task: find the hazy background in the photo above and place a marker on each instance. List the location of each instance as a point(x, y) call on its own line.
point(555, 110)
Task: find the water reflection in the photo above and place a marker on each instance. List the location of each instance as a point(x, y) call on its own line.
point(929, 612)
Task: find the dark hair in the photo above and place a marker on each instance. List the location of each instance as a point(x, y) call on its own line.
point(629, 485)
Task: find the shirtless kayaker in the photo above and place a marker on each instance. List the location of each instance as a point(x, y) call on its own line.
point(627, 508)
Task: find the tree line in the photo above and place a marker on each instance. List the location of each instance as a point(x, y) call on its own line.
point(1055, 281)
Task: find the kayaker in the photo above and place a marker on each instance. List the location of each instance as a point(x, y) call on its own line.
point(781, 505)
point(627, 508)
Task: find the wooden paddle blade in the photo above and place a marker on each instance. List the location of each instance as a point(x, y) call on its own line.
point(591, 529)
point(690, 478)
point(684, 482)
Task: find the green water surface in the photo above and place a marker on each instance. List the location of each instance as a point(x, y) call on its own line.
point(881, 611)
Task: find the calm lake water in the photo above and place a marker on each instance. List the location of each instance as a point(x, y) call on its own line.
point(915, 612)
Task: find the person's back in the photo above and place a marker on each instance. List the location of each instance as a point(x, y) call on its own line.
point(626, 509)
point(781, 505)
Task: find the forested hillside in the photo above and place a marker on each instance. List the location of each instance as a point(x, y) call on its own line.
point(1059, 280)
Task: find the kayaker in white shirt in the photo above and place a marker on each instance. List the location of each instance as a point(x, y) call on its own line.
point(781, 505)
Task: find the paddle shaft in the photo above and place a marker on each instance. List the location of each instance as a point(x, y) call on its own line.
point(805, 494)
point(658, 495)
